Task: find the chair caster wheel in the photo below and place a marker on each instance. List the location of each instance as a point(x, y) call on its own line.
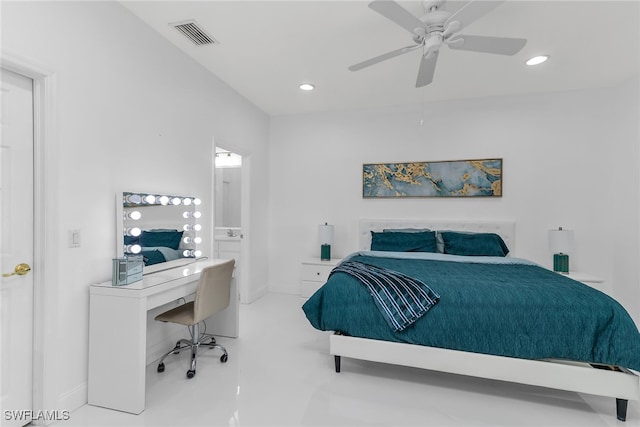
point(224, 358)
point(161, 367)
point(191, 373)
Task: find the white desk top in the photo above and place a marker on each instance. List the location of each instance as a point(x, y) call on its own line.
point(153, 280)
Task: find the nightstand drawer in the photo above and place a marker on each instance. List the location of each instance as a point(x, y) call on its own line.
point(316, 273)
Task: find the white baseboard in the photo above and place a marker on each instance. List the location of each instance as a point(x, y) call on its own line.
point(256, 294)
point(74, 398)
point(158, 349)
point(291, 290)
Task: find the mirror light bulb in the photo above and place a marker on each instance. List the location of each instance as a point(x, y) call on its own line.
point(164, 200)
point(132, 249)
point(196, 201)
point(195, 240)
point(186, 201)
point(135, 215)
point(134, 198)
point(188, 253)
point(150, 199)
point(196, 214)
point(134, 231)
point(176, 201)
point(189, 227)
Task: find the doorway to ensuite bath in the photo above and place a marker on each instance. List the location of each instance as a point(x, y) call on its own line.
point(231, 211)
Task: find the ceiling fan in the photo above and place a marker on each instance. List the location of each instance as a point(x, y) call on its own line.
point(438, 27)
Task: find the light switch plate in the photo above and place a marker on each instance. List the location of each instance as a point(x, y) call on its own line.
point(74, 238)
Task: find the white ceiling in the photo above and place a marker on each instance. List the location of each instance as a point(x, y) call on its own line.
point(267, 48)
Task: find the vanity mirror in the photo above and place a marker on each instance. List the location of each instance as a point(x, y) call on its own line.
point(162, 228)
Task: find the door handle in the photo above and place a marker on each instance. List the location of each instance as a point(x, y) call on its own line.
point(20, 270)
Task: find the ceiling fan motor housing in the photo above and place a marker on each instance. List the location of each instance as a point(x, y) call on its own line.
point(433, 28)
point(437, 18)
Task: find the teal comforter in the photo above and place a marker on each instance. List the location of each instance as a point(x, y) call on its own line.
point(499, 306)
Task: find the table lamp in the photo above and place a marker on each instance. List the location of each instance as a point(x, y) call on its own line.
point(560, 243)
point(325, 235)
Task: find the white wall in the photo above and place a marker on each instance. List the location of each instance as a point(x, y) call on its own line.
point(133, 113)
point(570, 159)
point(624, 142)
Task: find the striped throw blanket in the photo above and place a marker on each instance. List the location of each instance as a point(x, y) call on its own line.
point(401, 299)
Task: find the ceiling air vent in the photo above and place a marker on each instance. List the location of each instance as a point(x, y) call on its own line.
point(193, 32)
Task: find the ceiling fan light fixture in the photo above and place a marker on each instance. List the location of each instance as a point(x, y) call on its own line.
point(307, 87)
point(537, 60)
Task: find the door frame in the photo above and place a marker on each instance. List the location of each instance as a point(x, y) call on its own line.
point(45, 259)
point(244, 290)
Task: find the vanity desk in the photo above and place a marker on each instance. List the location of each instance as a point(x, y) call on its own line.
point(118, 331)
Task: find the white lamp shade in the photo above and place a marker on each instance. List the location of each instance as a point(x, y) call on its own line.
point(561, 241)
point(325, 234)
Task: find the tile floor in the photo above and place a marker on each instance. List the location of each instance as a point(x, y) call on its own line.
point(279, 373)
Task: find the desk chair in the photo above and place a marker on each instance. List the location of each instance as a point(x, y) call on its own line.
point(212, 295)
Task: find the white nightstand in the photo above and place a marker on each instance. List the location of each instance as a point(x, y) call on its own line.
point(587, 279)
point(314, 274)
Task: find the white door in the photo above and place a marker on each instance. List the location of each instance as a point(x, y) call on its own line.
point(16, 249)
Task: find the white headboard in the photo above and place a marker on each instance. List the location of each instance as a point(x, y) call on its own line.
point(503, 228)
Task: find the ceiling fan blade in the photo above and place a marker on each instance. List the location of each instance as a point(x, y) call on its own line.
point(383, 57)
point(427, 69)
point(487, 44)
point(472, 11)
point(401, 16)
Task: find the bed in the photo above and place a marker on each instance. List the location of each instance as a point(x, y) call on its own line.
point(550, 331)
point(157, 245)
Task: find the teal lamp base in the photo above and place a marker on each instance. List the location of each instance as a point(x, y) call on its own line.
point(325, 253)
point(561, 263)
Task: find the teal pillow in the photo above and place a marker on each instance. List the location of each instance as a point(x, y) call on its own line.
point(168, 239)
point(405, 230)
point(424, 241)
point(152, 257)
point(473, 244)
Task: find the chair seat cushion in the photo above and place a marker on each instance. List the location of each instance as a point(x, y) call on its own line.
point(182, 315)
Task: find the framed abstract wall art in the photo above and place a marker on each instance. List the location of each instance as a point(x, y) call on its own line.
point(453, 178)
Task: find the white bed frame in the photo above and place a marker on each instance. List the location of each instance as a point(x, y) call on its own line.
point(623, 385)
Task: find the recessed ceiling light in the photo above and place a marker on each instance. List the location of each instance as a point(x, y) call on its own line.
point(307, 86)
point(537, 60)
